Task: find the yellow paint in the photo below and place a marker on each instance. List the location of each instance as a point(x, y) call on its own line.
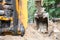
point(21, 7)
point(24, 13)
point(5, 18)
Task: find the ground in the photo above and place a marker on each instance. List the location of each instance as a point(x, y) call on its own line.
point(32, 34)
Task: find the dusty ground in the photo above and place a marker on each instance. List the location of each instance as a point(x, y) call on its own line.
point(32, 34)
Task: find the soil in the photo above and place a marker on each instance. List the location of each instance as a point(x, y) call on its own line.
point(33, 34)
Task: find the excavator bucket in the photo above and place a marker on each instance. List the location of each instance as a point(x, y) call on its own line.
point(41, 17)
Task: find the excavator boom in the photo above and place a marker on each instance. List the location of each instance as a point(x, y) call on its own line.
point(13, 16)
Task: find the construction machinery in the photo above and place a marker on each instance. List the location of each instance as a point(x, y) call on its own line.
point(41, 17)
point(13, 16)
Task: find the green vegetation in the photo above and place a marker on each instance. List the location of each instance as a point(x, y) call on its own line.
point(31, 9)
point(51, 8)
point(50, 5)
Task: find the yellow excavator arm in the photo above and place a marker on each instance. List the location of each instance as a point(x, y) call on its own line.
point(21, 7)
point(13, 12)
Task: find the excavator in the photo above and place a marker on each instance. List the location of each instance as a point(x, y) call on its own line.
point(13, 16)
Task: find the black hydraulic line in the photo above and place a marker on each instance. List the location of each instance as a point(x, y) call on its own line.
point(15, 16)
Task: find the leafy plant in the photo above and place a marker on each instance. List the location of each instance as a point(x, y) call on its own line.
point(51, 7)
point(31, 9)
